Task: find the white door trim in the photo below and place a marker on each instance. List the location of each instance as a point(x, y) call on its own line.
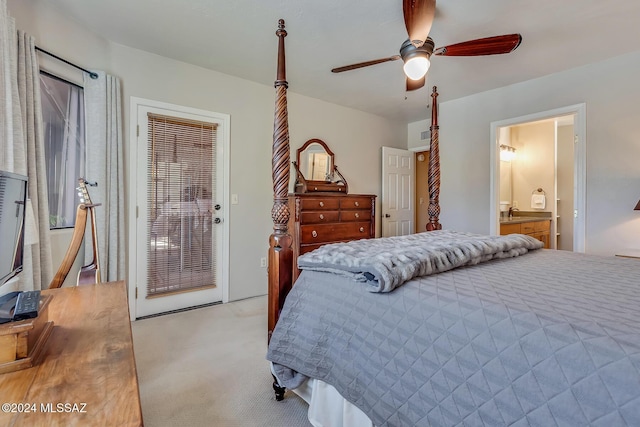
point(580, 159)
point(386, 194)
point(224, 140)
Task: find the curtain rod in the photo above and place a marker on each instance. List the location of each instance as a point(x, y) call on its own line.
point(91, 73)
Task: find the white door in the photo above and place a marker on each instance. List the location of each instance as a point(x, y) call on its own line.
point(180, 232)
point(398, 192)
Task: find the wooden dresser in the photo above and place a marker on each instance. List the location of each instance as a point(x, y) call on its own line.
point(317, 219)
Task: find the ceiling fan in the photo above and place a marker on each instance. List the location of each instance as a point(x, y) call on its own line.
point(416, 51)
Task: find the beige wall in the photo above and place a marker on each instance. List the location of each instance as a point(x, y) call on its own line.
point(612, 148)
point(355, 137)
point(534, 164)
point(565, 183)
point(414, 133)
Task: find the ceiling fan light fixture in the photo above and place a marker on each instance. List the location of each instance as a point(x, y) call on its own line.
point(416, 67)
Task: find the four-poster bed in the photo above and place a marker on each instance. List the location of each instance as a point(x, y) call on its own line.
point(449, 328)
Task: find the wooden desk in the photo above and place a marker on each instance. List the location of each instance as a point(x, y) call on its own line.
point(87, 374)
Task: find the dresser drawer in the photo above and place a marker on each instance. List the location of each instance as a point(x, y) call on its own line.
point(542, 225)
point(527, 227)
point(534, 226)
point(330, 203)
point(509, 229)
point(308, 248)
point(318, 217)
point(323, 233)
point(355, 215)
point(355, 203)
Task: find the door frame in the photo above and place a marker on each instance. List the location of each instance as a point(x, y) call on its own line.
point(416, 199)
point(224, 140)
point(579, 168)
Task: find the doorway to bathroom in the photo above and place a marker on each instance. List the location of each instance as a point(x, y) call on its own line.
point(537, 172)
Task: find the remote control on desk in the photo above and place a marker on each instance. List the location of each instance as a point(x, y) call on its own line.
point(27, 305)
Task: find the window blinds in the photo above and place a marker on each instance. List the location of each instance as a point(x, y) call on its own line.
point(181, 183)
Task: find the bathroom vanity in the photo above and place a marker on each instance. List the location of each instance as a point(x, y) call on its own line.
point(537, 227)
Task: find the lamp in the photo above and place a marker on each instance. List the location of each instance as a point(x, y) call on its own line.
point(416, 67)
point(416, 59)
point(507, 153)
point(637, 208)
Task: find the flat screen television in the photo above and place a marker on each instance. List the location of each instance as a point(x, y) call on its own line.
point(13, 198)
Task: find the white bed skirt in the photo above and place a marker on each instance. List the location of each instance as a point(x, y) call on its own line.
point(327, 407)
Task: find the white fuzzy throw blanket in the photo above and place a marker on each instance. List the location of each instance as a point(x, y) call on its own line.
point(386, 263)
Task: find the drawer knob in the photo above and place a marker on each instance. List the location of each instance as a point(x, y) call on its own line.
point(321, 204)
point(314, 233)
point(362, 229)
point(357, 215)
point(321, 216)
point(357, 204)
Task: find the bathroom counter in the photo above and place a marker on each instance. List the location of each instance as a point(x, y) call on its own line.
point(521, 219)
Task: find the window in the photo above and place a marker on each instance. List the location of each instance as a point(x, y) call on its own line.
point(63, 116)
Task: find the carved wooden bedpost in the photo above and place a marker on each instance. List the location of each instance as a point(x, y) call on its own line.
point(434, 168)
point(280, 253)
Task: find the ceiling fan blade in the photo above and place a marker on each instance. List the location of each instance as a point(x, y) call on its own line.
point(487, 46)
point(418, 17)
point(415, 84)
point(365, 64)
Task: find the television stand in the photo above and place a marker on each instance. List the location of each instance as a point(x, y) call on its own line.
point(22, 342)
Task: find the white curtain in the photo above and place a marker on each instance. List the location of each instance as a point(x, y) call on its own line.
point(13, 157)
point(22, 140)
point(104, 165)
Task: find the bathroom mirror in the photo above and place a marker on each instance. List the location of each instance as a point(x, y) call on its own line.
point(506, 192)
point(316, 170)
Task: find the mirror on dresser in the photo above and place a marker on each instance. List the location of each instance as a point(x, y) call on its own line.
point(316, 170)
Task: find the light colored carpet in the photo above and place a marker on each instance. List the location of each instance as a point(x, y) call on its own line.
point(206, 367)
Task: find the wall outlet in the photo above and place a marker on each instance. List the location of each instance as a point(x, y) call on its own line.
point(515, 203)
point(263, 262)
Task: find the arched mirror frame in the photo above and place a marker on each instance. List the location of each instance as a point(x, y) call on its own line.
point(334, 181)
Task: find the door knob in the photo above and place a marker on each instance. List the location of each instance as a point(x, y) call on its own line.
point(217, 220)
point(217, 207)
point(387, 216)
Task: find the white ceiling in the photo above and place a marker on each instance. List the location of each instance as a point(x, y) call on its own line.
point(238, 38)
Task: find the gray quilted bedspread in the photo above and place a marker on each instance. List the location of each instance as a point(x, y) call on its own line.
point(549, 338)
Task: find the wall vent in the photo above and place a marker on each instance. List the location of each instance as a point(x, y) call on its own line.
point(424, 135)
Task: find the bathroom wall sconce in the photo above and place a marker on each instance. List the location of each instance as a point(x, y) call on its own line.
point(507, 153)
